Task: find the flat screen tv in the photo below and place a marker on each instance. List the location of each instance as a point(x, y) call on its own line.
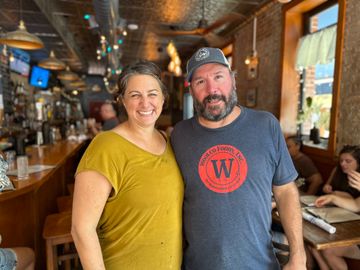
point(20, 63)
point(39, 77)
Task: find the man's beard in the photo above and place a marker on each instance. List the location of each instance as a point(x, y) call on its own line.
point(208, 112)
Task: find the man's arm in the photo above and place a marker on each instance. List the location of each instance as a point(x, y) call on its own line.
point(288, 205)
point(315, 182)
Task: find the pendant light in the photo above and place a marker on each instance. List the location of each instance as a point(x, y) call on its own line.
point(78, 83)
point(67, 75)
point(21, 38)
point(52, 63)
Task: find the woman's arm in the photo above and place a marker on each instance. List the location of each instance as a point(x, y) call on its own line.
point(327, 187)
point(90, 195)
point(344, 202)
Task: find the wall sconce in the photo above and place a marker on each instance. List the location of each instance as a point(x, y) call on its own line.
point(252, 61)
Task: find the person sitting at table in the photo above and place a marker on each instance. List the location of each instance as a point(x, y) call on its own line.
point(22, 258)
point(334, 258)
point(109, 118)
point(348, 165)
point(304, 166)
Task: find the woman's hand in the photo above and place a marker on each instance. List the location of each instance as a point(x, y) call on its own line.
point(327, 188)
point(324, 200)
point(354, 179)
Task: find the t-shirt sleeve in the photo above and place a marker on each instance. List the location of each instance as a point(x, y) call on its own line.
point(285, 171)
point(100, 156)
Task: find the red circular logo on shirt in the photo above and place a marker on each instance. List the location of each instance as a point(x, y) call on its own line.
point(222, 168)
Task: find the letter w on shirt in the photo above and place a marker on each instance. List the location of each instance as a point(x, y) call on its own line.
point(223, 167)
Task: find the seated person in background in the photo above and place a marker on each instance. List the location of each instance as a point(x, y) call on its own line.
point(347, 170)
point(109, 117)
point(334, 258)
point(19, 258)
point(304, 166)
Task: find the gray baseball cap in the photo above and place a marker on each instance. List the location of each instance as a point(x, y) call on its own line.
point(204, 56)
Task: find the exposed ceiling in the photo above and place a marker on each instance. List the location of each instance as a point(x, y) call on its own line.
point(61, 26)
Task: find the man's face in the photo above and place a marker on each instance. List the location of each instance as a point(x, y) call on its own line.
point(214, 92)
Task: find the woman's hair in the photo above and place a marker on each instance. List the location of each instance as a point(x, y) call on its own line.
point(142, 67)
point(340, 179)
point(354, 151)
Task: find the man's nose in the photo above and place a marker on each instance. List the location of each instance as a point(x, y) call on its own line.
point(211, 87)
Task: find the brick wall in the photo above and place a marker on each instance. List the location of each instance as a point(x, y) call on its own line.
point(349, 116)
point(268, 45)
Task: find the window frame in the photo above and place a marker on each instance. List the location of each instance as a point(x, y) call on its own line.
point(294, 15)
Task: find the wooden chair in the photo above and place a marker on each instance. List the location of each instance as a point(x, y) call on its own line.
point(70, 188)
point(57, 232)
point(64, 203)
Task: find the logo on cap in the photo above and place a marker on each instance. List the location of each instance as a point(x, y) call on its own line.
point(202, 54)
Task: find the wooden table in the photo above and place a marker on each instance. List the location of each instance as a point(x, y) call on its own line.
point(23, 210)
point(347, 234)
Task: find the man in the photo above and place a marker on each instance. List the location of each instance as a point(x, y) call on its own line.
point(108, 116)
point(304, 166)
point(231, 159)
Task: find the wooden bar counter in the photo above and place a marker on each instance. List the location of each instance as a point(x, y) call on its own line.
point(23, 211)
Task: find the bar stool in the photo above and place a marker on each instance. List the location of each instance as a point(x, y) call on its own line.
point(64, 203)
point(70, 188)
point(56, 232)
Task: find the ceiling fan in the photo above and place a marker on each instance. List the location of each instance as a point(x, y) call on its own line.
point(203, 28)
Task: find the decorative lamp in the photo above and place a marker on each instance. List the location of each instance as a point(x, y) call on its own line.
point(77, 84)
point(67, 75)
point(22, 39)
point(52, 62)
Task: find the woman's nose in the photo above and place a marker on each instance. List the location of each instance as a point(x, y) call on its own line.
point(144, 100)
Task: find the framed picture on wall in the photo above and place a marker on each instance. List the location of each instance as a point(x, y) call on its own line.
point(251, 97)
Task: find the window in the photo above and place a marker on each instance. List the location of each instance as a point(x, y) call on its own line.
point(317, 74)
point(311, 63)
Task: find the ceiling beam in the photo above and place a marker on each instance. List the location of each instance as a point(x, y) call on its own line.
point(49, 8)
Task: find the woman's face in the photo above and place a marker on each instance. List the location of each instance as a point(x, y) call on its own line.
point(143, 100)
point(348, 163)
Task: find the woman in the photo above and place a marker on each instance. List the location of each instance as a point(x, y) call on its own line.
point(344, 193)
point(339, 180)
point(334, 258)
point(128, 189)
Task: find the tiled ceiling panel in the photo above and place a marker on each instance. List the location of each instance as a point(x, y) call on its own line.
point(62, 27)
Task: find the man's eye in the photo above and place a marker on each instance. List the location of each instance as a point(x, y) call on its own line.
point(218, 76)
point(199, 82)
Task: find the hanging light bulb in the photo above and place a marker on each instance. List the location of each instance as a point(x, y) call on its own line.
point(11, 57)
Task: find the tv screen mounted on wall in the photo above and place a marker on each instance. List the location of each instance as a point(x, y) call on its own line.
point(39, 77)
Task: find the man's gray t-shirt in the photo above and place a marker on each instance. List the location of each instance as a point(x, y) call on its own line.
point(228, 174)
